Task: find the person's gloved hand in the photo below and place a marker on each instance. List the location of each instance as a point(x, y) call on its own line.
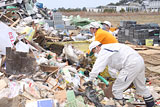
point(86, 73)
point(87, 83)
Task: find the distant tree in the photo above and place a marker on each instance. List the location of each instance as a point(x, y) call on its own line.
point(122, 2)
point(72, 10)
point(136, 10)
point(99, 7)
point(127, 9)
point(111, 4)
point(84, 9)
point(61, 9)
point(122, 10)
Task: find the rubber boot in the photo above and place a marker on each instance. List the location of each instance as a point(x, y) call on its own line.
point(149, 101)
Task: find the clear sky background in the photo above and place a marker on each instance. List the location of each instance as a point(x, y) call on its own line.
point(75, 3)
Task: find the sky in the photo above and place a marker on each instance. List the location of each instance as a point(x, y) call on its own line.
point(51, 4)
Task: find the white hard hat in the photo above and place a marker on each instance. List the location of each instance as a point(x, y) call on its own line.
point(94, 25)
point(93, 45)
point(107, 23)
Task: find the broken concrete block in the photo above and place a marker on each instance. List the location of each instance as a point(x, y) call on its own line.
point(11, 102)
point(19, 62)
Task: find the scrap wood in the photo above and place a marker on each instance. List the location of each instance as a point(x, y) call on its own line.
point(140, 49)
point(137, 47)
point(28, 96)
point(51, 74)
point(35, 79)
point(8, 18)
point(153, 47)
point(55, 87)
point(62, 88)
point(46, 68)
point(37, 46)
point(16, 22)
point(48, 37)
point(52, 81)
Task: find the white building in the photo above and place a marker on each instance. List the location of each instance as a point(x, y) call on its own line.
point(147, 5)
point(152, 5)
point(93, 9)
point(126, 8)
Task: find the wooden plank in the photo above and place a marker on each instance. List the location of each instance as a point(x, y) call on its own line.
point(46, 68)
point(153, 47)
point(140, 49)
point(8, 18)
point(16, 22)
point(48, 37)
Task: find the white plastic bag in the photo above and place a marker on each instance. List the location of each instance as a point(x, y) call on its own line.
point(7, 37)
point(22, 47)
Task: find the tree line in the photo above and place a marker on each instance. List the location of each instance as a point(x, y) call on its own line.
point(71, 9)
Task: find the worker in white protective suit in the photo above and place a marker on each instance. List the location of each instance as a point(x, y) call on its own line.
point(125, 64)
point(107, 26)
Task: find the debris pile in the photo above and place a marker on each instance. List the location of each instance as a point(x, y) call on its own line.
point(37, 69)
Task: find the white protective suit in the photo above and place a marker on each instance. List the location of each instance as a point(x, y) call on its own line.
point(125, 64)
point(113, 33)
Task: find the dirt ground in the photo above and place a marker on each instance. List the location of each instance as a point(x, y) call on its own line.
point(115, 18)
point(151, 58)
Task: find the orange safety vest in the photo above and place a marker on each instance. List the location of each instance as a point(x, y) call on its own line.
point(104, 37)
point(113, 29)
